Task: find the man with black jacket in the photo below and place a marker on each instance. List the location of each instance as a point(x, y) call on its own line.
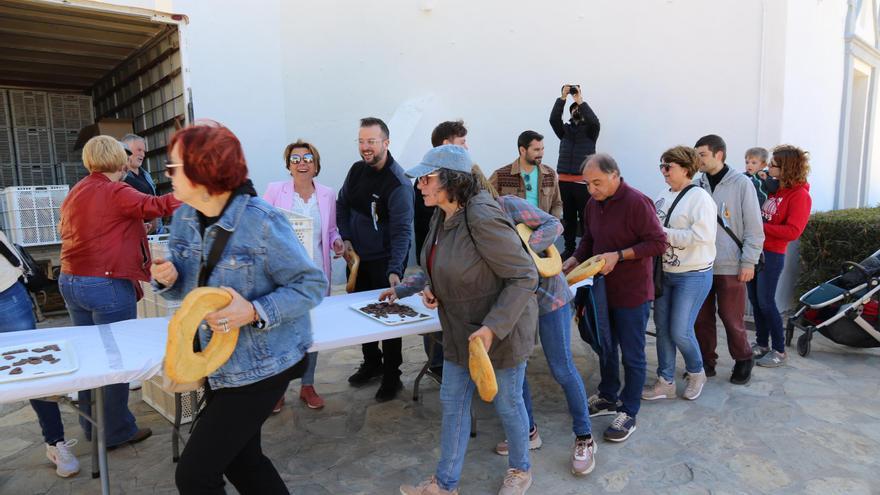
point(374, 212)
point(577, 142)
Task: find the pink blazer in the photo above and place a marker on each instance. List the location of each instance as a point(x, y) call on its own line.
point(280, 194)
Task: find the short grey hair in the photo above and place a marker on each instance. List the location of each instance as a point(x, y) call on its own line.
point(130, 138)
point(604, 161)
point(759, 153)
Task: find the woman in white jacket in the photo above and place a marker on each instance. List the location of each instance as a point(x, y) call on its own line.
point(687, 272)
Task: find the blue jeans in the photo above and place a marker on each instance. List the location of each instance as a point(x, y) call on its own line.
point(555, 331)
point(628, 326)
point(98, 301)
point(308, 377)
point(456, 393)
point(762, 296)
point(18, 314)
point(674, 316)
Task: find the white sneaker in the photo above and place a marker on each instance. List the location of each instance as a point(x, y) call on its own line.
point(66, 463)
point(695, 383)
point(135, 385)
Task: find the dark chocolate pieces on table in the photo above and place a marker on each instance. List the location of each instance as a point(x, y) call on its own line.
point(385, 309)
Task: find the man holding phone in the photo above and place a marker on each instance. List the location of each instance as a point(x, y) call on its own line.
point(577, 141)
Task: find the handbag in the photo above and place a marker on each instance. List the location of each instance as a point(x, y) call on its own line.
point(217, 248)
point(33, 276)
point(658, 260)
point(760, 265)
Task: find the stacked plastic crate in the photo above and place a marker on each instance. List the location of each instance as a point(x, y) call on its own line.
point(69, 114)
point(154, 305)
point(7, 160)
point(30, 214)
point(33, 140)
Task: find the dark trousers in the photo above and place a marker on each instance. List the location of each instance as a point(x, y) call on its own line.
point(762, 295)
point(371, 275)
point(226, 440)
point(628, 327)
point(730, 294)
point(574, 200)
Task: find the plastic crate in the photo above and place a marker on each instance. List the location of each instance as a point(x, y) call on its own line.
point(7, 174)
point(37, 175)
point(71, 172)
point(70, 112)
point(33, 146)
point(163, 402)
point(64, 141)
point(302, 227)
point(31, 214)
point(6, 151)
point(29, 108)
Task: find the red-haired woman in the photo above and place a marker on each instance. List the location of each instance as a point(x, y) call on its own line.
point(785, 212)
point(273, 285)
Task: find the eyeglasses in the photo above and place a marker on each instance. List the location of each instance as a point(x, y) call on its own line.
point(665, 166)
point(171, 168)
point(296, 159)
point(370, 142)
point(528, 180)
point(424, 179)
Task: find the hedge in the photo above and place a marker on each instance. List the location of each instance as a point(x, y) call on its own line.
point(833, 237)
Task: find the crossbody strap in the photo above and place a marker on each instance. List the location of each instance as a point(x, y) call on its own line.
point(217, 248)
point(727, 229)
point(675, 202)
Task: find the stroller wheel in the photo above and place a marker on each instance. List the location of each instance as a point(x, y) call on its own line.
point(803, 345)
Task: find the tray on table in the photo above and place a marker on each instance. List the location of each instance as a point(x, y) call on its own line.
point(394, 319)
point(66, 363)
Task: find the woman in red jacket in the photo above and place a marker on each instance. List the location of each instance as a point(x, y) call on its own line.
point(785, 214)
point(104, 252)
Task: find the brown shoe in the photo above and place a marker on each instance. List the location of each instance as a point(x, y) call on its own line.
point(139, 436)
point(278, 406)
point(308, 395)
point(427, 487)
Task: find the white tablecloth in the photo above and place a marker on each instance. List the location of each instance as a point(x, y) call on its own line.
point(133, 350)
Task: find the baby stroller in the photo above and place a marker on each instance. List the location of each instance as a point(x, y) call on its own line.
point(843, 309)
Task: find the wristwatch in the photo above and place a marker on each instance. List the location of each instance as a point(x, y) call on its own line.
point(258, 322)
point(619, 255)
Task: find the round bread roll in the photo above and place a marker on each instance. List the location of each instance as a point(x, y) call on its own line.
point(481, 370)
point(585, 270)
point(547, 267)
point(181, 363)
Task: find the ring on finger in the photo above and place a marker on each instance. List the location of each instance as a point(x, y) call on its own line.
point(225, 327)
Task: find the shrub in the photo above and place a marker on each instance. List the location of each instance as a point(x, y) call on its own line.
point(833, 237)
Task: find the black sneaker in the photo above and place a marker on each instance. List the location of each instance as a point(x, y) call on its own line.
point(601, 407)
point(364, 374)
point(388, 390)
point(742, 372)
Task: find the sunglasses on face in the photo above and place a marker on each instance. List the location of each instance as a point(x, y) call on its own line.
point(171, 168)
point(296, 159)
point(424, 179)
point(665, 166)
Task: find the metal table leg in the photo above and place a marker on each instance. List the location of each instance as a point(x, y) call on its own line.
point(426, 369)
point(175, 433)
point(102, 442)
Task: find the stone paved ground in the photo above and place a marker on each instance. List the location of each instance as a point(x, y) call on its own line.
point(811, 427)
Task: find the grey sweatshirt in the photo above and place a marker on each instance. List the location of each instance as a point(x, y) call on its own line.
point(738, 205)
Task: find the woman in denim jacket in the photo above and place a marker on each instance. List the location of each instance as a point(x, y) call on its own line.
point(273, 285)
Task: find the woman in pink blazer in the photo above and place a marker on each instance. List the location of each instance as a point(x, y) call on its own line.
point(305, 196)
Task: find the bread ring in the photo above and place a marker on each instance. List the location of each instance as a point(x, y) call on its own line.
point(353, 261)
point(585, 270)
point(547, 267)
point(481, 370)
point(181, 363)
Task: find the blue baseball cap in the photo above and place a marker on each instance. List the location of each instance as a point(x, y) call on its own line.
point(448, 156)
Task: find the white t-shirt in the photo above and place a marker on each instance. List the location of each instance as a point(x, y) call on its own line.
point(8, 274)
point(690, 235)
point(310, 209)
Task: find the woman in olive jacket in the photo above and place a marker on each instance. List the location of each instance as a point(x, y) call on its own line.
point(479, 276)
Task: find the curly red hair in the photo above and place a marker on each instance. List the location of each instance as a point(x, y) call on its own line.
point(212, 157)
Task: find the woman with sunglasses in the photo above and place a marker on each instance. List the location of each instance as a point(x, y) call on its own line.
point(104, 253)
point(476, 272)
point(273, 285)
point(785, 213)
point(687, 213)
point(303, 195)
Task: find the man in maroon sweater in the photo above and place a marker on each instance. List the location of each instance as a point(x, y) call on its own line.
point(621, 226)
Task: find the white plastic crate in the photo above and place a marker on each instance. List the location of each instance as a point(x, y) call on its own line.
point(31, 214)
point(302, 227)
point(163, 402)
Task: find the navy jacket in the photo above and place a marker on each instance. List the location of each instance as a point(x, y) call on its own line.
point(577, 140)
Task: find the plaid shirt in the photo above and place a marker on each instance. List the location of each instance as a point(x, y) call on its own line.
point(553, 292)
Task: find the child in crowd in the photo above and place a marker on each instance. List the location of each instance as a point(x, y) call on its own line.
point(756, 170)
